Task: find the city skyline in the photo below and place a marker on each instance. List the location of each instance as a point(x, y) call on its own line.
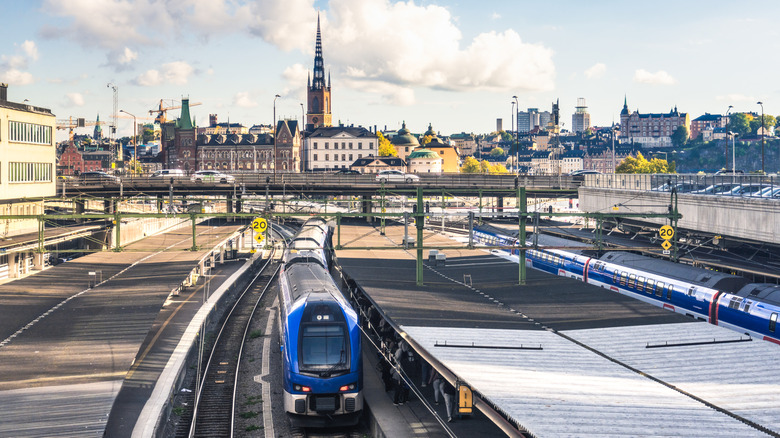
point(436, 62)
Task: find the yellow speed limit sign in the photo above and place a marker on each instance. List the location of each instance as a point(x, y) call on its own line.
point(259, 225)
point(666, 232)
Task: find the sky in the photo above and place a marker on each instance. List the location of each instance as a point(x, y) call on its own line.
point(453, 64)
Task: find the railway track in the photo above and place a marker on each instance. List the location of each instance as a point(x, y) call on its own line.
point(214, 409)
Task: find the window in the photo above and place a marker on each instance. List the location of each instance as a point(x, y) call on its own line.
point(326, 145)
point(343, 157)
point(623, 276)
point(360, 145)
point(772, 322)
point(343, 145)
point(632, 281)
point(350, 157)
point(615, 277)
point(659, 288)
point(360, 155)
point(327, 156)
point(322, 346)
point(315, 157)
point(22, 132)
point(640, 283)
point(29, 172)
point(350, 145)
point(669, 290)
point(315, 145)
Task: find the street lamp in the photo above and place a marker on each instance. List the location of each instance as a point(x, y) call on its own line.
point(731, 134)
point(135, 138)
point(273, 163)
point(762, 135)
point(517, 134)
point(512, 123)
point(733, 153)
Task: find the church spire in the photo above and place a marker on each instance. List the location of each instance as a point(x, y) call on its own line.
point(319, 69)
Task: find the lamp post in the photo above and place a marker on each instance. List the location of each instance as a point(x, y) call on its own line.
point(512, 123)
point(273, 163)
point(762, 135)
point(135, 138)
point(517, 134)
point(613, 147)
point(730, 134)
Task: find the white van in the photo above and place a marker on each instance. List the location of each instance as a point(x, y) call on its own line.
point(177, 173)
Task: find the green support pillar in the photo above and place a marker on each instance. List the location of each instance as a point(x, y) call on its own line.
point(382, 209)
point(522, 208)
point(673, 220)
point(118, 227)
point(194, 246)
point(419, 220)
point(338, 231)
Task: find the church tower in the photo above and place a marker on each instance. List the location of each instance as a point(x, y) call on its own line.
point(318, 95)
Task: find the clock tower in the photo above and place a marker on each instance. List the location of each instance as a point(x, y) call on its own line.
point(318, 94)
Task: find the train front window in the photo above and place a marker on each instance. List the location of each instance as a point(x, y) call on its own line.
point(324, 348)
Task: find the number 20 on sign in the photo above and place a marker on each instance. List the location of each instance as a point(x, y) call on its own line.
point(666, 232)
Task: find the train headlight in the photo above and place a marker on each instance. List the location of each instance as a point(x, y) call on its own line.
point(350, 387)
point(301, 388)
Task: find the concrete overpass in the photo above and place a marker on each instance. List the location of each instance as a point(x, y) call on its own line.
point(718, 217)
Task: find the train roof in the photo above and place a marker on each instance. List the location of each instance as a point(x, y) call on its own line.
point(309, 278)
point(292, 256)
point(547, 240)
point(766, 292)
point(700, 276)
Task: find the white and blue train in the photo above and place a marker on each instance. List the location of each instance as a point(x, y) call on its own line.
point(721, 299)
point(320, 336)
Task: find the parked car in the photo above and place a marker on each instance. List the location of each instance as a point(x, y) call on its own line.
point(730, 172)
point(584, 172)
point(717, 188)
point(396, 176)
point(347, 172)
point(681, 187)
point(750, 189)
point(97, 176)
point(212, 176)
point(176, 173)
point(771, 192)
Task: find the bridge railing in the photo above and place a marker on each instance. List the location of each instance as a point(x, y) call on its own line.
point(685, 183)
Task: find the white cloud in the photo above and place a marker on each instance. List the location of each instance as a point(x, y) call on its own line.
point(16, 77)
point(495, 16)
point(424, 49)
point(149, 78)
point(176, 73)
point(737, 97)
point(596, 71)
point(658, 78)
point(75, 99)
point(243, 100)
point(30, 50)
point(281, 22)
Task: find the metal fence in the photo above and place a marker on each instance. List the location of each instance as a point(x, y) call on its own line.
point(706, 184)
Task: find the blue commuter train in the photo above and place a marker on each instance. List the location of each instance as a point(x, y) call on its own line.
point(721, 299)
point(320, 336)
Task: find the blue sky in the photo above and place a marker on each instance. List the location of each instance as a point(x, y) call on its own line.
point(455, 64)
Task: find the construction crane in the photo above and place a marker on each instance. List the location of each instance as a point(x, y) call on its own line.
point(70, 123)
point(162, 109)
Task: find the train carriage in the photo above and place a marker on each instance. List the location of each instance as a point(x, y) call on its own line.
point(320, 340)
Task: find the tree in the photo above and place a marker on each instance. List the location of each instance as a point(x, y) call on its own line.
point(740, 123)
point(497, 152)
point(484, 167)
point(641, 165)
point(470, 165)
point(148, 135)
point(680, 136)
point(498, 168)
point(769, 121)
point(425, 140)
point(386, 149)
point(505, 136)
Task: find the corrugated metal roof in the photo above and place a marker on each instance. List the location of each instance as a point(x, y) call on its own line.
point(566, 389)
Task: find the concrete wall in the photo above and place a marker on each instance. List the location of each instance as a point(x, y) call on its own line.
point(743, 217)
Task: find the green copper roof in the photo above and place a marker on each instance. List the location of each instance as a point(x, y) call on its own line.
point(423, 153)
point(185, 121)
point(404, 138)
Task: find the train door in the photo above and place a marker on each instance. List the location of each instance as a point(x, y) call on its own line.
point(714, 308)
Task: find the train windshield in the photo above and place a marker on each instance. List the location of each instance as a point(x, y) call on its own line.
point(324, 348)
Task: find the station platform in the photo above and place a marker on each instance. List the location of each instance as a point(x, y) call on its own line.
point(560, 357)
point(77, 335)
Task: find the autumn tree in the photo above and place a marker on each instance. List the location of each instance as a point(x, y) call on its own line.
point(641, 165)
point(470, 165)
point(386, 149)
point(497, 152)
